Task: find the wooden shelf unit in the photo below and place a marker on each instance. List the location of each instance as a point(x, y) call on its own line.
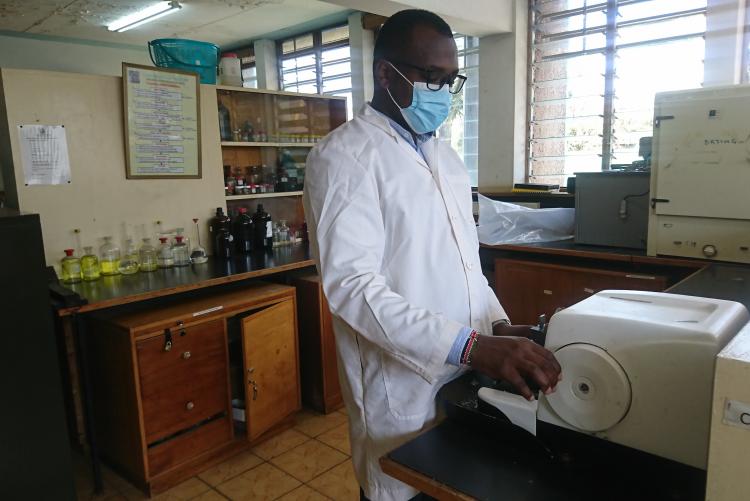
point(279, 115)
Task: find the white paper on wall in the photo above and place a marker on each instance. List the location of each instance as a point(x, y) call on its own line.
point(44, 154)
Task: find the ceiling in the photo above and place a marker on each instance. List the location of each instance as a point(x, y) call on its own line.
point(223, 22)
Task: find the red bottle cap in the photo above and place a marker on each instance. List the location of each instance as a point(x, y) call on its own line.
point(179, 238)
point(69, 252)
point(163, 240)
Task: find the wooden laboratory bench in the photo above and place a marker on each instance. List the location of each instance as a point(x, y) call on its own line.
point(473, 454)
point(470, 455)
point(123, 330)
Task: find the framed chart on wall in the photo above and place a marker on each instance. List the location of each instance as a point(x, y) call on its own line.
point(162, 123)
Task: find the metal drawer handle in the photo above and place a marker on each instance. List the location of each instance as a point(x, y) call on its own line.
point(641, 277)
point(547, 292)
point(186, 355)
point(588, 291)
point(190, 406)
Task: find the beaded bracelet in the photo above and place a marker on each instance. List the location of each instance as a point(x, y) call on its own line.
point(471, 343)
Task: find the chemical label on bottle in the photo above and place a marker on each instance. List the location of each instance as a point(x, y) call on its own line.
point(269, 230)
point(231, 238)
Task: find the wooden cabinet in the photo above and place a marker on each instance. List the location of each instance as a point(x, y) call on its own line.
point(161, 381)
point(320, 377)
point(528, 289)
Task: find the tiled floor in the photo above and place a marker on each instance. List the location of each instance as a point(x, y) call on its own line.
point(309, 462)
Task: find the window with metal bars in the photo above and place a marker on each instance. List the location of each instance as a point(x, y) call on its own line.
point(249, 71)
point(317, 63)
point(461, 129)
point(595, 68)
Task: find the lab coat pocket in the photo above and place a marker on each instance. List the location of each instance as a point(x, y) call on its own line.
point(409, 395)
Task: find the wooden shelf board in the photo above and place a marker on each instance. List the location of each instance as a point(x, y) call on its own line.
point(279, 93)
point(267, 144)
point(266, 195)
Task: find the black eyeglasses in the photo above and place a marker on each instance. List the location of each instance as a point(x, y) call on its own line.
point(455, 83)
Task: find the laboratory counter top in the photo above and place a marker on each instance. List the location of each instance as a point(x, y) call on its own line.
point(477, 454)
point(474, 454)
point(118, 290)
point(568, 248)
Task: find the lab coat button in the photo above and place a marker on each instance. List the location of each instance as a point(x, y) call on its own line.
point(469, 266)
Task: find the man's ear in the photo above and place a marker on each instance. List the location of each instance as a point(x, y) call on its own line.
point(382, 73)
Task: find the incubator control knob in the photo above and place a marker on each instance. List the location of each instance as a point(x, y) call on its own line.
point(709, 251)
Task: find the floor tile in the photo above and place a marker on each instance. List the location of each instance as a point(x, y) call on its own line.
point(230, 468)
point(313, 424)
point(264, 482)
point(280, 444)
point(309, 460)
point(338, 438)
point(132, 493)
point(84, 481)
point(303, 493)
point(338, 483)
point(189, 489)
point(342, 410)
point(211, 495)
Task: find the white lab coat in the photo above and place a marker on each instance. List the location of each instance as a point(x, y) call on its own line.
point(396, 246)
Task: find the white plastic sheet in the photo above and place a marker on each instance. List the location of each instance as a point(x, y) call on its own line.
point(505, 223)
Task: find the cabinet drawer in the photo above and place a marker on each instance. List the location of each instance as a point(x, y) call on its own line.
point(526, 290)
point(185, 385)
point(182, 448)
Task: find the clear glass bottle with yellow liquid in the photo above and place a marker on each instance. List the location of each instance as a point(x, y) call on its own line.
point(109, 257)
point(71, 268)
point(90, 268)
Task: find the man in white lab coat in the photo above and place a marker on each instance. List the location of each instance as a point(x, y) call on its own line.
point(392, 232)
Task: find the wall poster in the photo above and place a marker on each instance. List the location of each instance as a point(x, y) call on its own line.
point(162, 122)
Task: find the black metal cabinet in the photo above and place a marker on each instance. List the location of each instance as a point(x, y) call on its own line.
point(35, 458)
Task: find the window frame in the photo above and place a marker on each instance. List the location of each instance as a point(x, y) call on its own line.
point(610, 50)
point(316, 50)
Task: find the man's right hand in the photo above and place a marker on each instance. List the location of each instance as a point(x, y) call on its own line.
point(516, 359)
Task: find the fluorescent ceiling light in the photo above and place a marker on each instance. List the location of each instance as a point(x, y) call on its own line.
point(144, 16)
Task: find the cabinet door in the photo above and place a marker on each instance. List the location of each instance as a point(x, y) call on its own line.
point(186, 384)
point(269, 343)
point(527, 290)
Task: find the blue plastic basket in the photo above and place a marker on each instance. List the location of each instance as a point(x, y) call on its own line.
point(189, 55)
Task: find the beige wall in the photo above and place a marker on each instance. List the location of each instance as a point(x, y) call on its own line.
point(58, 55)
point(100, 201)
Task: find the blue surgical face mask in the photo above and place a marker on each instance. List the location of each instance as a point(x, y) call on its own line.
point(428, 109)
